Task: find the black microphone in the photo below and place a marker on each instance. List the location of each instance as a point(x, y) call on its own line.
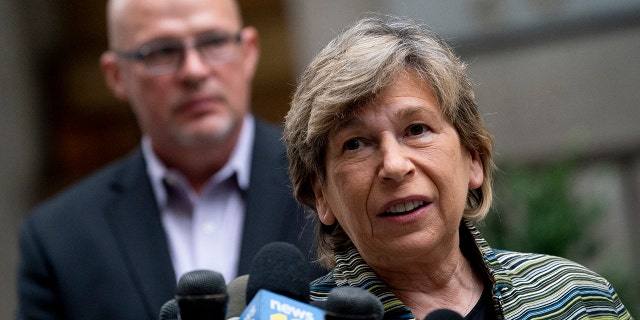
point(169, 310)
point(281, 268)
point(237, 290)
point(443, 314)
point(202, 294)
point(347, 303)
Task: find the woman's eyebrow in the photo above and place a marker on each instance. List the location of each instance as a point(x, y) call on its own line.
point(347, 123)
point(415, 111)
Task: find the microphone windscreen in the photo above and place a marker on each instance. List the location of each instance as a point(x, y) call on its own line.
point(169, 310)
point(281, 268)
point(237, 290)
point(352, 303)
point(201, 282)
point(201, 294)
point(317, 304)
point(443, 314)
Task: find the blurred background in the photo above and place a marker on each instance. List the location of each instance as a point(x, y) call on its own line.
point(558, 83)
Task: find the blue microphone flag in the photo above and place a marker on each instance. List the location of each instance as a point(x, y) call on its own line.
point(267, 305)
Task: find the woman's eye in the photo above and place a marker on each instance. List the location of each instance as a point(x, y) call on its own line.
point(352, 144)
point(417, 129)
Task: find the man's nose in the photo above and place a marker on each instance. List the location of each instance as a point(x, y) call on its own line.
point(193, 64)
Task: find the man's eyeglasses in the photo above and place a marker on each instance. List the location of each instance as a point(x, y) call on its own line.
point(167, 55)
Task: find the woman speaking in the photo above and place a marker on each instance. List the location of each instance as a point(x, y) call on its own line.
point(387, 148)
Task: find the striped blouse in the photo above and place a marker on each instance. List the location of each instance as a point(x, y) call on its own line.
point(525, 286)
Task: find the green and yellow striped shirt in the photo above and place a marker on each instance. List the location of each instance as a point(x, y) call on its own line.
point(525, 285)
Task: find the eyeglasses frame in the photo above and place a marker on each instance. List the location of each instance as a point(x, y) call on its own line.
point(143, 51)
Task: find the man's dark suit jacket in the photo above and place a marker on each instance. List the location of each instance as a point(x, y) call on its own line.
point(99, 251)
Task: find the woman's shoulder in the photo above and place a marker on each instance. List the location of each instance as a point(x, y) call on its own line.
point(519, 259)
point(320, 287)
point(535, 266)
point(528, 282)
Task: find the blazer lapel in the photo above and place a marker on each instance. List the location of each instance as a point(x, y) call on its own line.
point(263, 223)
point(135, 220)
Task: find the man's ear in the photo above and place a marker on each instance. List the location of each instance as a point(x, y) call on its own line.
point(250, 51)
point(325, 214)
point(113, 75)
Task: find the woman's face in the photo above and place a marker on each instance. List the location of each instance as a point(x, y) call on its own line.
point(397, 177)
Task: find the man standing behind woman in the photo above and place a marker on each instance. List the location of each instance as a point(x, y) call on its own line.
point(206, 190)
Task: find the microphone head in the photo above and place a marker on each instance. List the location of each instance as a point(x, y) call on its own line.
point(352, 303)
point(201, 282)
point(201, 294)
point(443, 314)
point(169, 310)
point(281, 268)
point(237, 290)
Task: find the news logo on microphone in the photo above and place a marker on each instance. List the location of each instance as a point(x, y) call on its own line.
point(267, 305)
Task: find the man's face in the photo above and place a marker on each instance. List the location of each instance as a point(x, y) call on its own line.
point(200, 103)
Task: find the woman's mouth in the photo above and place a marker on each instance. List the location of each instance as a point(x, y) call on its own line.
point(403, 208)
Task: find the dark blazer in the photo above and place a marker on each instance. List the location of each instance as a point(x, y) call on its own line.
point(98, 250)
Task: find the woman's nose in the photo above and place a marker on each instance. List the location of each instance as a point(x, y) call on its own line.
point(396, 164)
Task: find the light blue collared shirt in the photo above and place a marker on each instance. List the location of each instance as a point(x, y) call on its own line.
point(204, 231)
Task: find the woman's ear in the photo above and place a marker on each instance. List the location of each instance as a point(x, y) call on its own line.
point(325, 214)
point(476, 171)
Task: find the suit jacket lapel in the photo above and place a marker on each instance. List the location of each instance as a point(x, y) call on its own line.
point(263, 196)
point(135, 220)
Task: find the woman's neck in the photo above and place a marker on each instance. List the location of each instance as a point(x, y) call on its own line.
point(452, 284)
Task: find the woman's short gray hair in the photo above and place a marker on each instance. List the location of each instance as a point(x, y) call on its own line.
point(355, 66)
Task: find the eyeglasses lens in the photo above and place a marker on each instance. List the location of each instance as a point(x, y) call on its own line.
point(167, 55)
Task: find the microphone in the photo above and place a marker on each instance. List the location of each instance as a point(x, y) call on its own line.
point(237, 290)
point(278, 285)
point(169, 310)
point(267, 305)
point(281, 268)
point(201, 294)
point(443, 314)
point(346, 303)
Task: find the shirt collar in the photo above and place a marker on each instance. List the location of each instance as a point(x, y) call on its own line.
point(239, 163)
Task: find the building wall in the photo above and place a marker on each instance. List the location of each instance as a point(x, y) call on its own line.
point(19, 125)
